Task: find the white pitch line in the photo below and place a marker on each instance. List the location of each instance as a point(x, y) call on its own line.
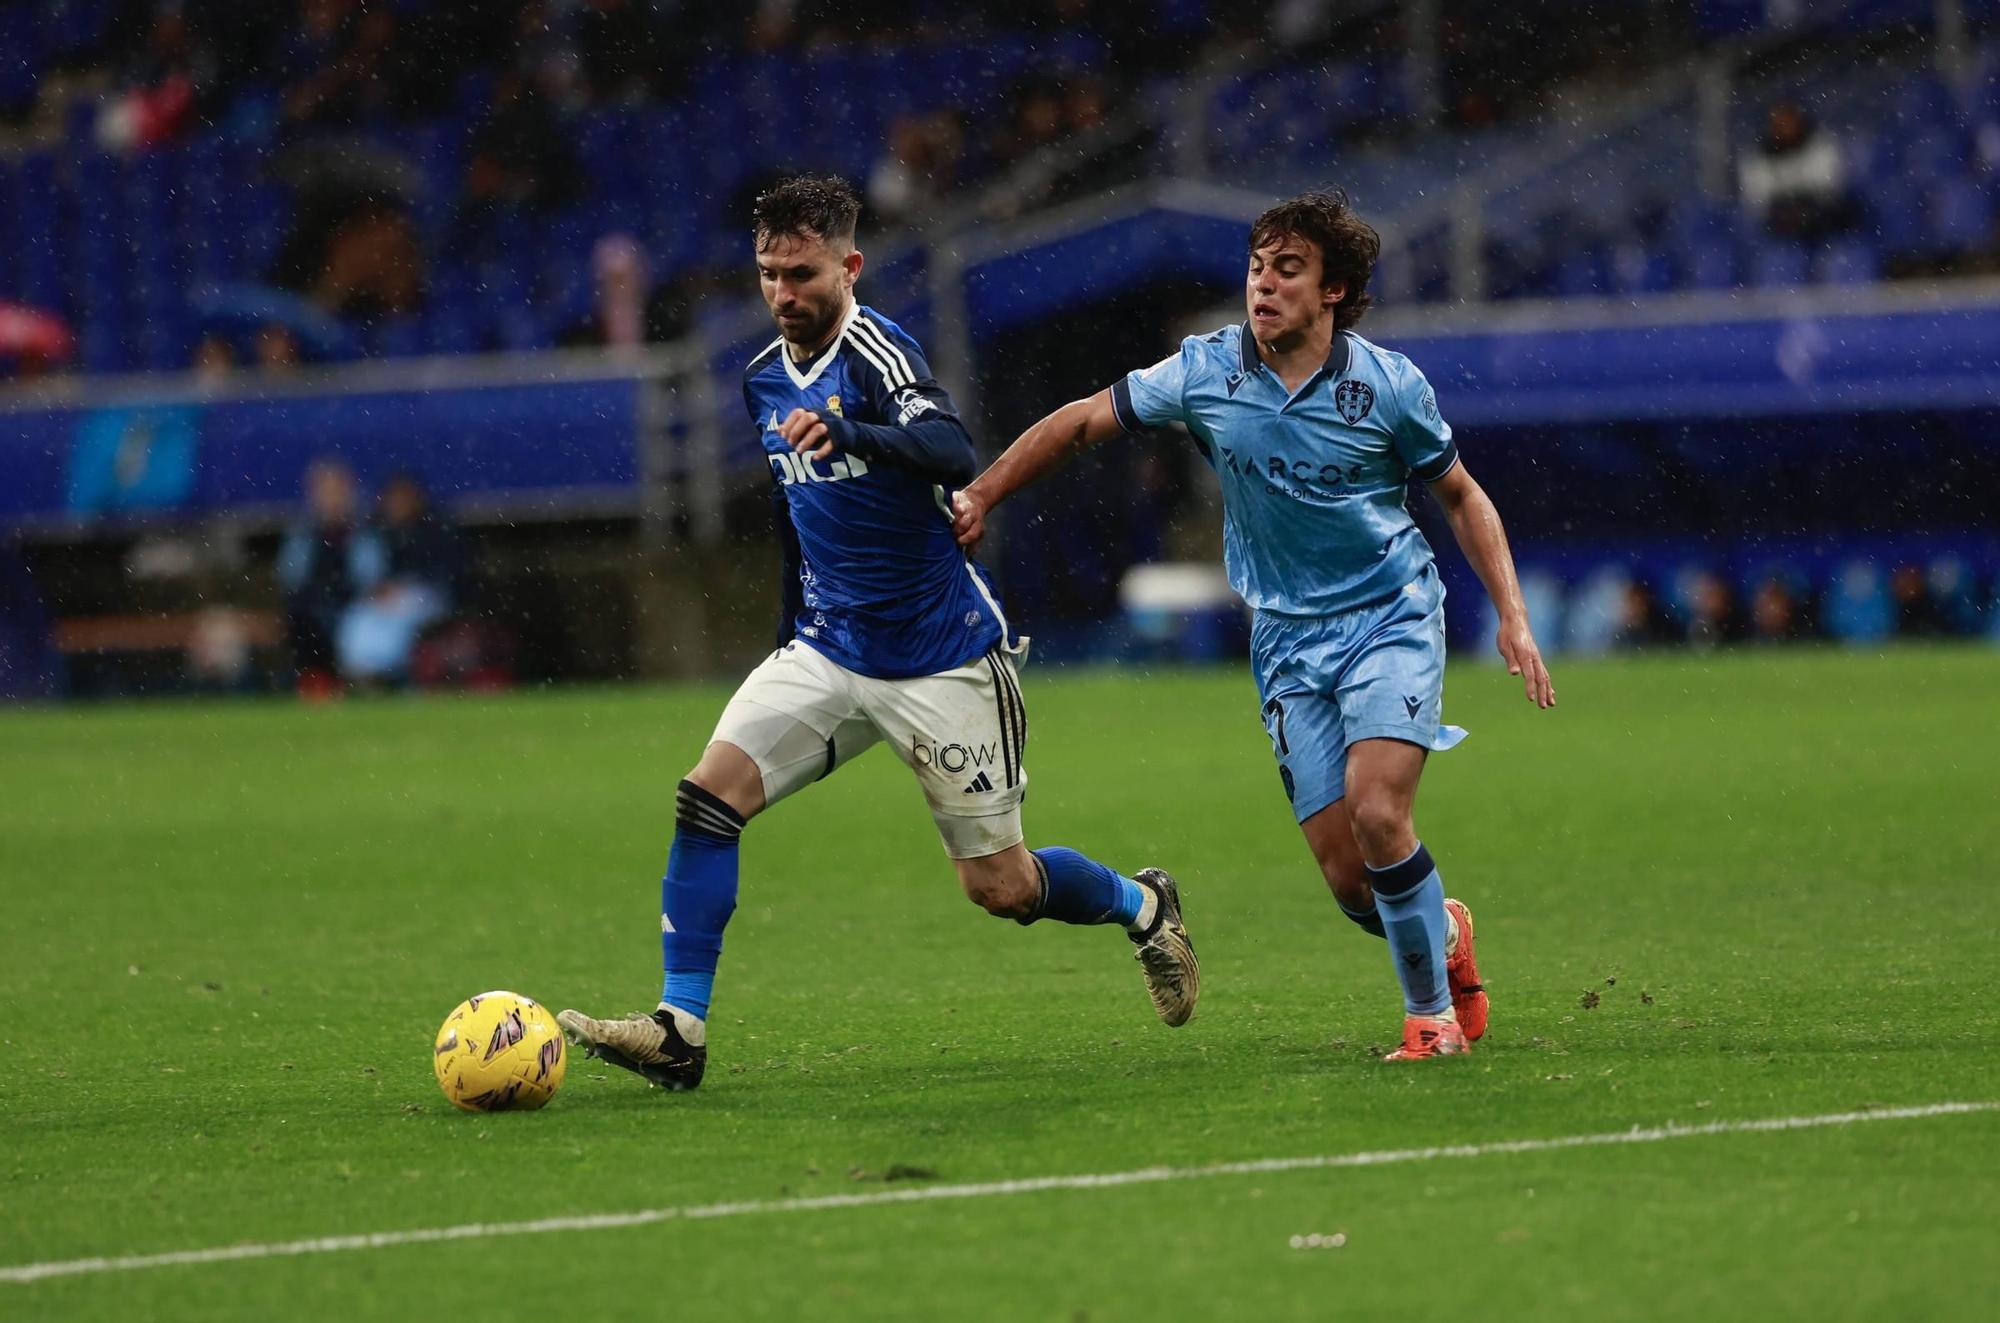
point(34, 1272)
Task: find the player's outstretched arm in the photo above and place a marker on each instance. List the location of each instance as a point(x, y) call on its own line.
point(1476, 524)
point(1068, 431)
point(938, 447)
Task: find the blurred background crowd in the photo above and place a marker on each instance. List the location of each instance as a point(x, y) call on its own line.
point(332, 179)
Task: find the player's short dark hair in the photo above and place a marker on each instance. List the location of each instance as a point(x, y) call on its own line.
point(807, 206)
point(1348, 245)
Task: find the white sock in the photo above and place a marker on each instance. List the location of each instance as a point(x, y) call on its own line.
point(1148, 907)
point(1450, 935)
point(693, 1031)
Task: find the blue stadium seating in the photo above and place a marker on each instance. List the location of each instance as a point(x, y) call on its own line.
point(118, 244)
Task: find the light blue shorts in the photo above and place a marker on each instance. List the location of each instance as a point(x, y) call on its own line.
point(1327, 681)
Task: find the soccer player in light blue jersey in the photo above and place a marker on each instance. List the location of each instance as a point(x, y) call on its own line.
point(890, 634)
point(1315, 434)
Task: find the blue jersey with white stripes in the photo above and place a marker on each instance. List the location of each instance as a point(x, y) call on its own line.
point(882, 586)
point(1314, 481)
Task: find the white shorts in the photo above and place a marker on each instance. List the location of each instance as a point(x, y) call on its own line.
point(799, 715)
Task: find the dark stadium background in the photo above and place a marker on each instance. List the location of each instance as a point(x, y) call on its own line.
point(237, 239)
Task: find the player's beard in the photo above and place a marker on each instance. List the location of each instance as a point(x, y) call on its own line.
point(808, 338)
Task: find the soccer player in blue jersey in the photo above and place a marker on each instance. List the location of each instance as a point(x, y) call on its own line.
point(890, 633)
point(1315, 434)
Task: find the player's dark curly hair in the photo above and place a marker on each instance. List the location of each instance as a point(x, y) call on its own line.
point(808, 206)
point(1347, 244)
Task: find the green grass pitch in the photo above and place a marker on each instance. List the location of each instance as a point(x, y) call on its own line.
point(1717, 888)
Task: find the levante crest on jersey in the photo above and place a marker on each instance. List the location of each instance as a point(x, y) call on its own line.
point(1354, 399)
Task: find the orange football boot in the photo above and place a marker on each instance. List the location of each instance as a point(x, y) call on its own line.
point(1429, 1036)
point(1461, 971)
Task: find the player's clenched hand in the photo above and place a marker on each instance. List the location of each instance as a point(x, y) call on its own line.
point(1524, 659)
point(806, 434)
point(968, 519)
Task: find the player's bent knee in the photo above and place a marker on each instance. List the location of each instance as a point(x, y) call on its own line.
point(1381, 823)
point(732, 776)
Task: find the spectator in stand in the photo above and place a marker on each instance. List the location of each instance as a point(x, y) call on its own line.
point(408, 587)
point(1795, 183)
point(920, 167)
point(624, 52)
point(1777, 613)
point(352, 246)
point(623, 283)
point(372, 266)
point(1039, 119)
point(160, 80)
point(323, 559)
point(33, 341)
point(630, 310)
point(1640, 621)
point(1917, 613)
point(277, 349)
point(1708, 608)
point(214, 359)
point(520, 158)
point(341, 52)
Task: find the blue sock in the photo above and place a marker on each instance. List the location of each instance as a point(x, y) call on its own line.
point(1369, 920)
point(1078, 889)
point(697, 896)
point(1410, 898)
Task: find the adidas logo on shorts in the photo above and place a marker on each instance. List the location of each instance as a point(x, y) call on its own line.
point(980, 785)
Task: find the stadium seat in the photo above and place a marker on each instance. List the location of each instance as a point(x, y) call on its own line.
point(1709, 265)
point(42, 237)
point(1896, 213)
point(398, 337)
point(1638, 268)
point(1941, 153)
point(1924, 98)
point(20, 68)
point(11, 237)
point(1778, 263)
point(1848, 262)
point(209, 211)
point(1959, 217)
point(1583, 275)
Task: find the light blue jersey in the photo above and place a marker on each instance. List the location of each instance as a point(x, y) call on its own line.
point(1313, 483)
point(1348, 642)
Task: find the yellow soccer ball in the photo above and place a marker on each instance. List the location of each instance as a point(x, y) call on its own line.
point(499, 1052)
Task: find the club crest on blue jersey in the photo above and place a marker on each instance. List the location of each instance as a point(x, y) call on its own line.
point(1354, 399)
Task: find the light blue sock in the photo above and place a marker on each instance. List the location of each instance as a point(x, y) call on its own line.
point(697, 896)
point(1078, 889)
point(1410, 898)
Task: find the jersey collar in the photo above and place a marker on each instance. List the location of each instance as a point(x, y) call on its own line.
point(1337, 355)
point(805, 376)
